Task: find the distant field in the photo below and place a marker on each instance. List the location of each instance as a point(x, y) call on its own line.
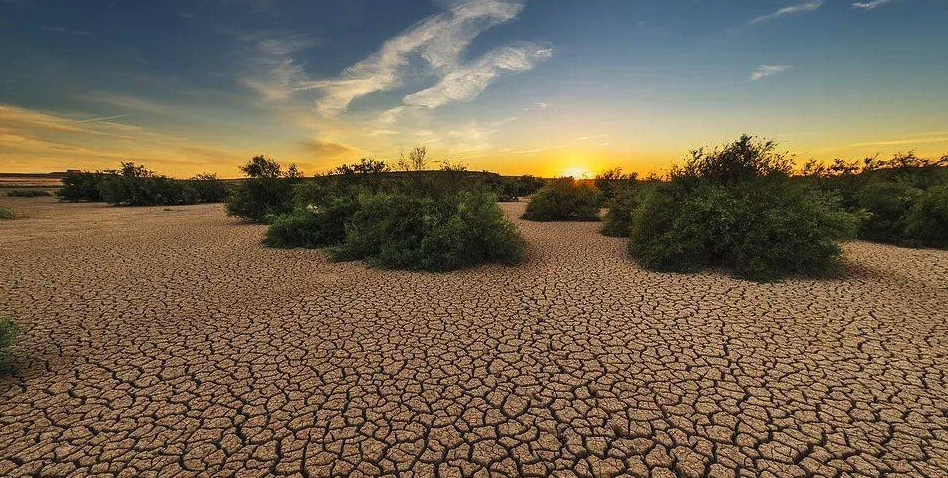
point(26, 180)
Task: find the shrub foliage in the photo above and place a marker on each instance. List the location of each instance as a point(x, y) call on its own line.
point(903, 196)
point(419, 220)
point(7, 213)
point(28, 193)
point(267, 191)
point(564, 199)
point(737, 207)
point(136, 185)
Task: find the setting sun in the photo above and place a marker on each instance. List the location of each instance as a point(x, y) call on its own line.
point(577, 173)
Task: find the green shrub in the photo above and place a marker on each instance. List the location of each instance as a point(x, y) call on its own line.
point(209, 188)
point(7, 213)
point(736, 207)
point(135, 185)
point(8, 331)
point(927, 222)
point(313, 226)
point(900, 194)
point(28, 193)
point(564, 199)
point(612, 182)
point(618, 219)
point(433, 233)
point(83, 185)
point(267, 191)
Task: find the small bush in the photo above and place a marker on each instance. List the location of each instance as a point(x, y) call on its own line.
point(267, 191)
point(564, 199)
point(737, 208)
point(28, 193)
point(8, 332)
point(433, 233)
point(7, 213)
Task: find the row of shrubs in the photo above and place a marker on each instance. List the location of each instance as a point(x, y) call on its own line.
point(136, 185)
point(742, 207)
point(905, 198)
point(419, 220)
point(28, 193)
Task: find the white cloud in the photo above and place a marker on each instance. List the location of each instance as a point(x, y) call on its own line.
point(791, 10)
point(765, 71)
point(468, 81)
point(439, 40)
point(873, 4)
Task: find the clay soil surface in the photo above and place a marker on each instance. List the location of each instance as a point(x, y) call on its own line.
point(168, 342)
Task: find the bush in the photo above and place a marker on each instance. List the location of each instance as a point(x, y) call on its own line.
point(7, 213)
point(433, 233)
point(613, 182)
point(8, 331)
point(564, 199)
point(927, 222)
point(209, 188)
point(314, 225)
point(83, 186)
point(737, 207)
point(618, 219)
point(267, 191)
point(135, 185)
point(28, 193)
point(900, 194)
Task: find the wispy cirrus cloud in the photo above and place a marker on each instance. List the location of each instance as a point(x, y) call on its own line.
point(438, 40)
point(467, 81)
point(790, 10)
point(766, 71)
point(873, 4)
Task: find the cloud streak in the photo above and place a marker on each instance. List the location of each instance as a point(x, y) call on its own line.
point(790, 10)
point(873, 4)
point(766, 71)
point(468, 81)
point(438, 40)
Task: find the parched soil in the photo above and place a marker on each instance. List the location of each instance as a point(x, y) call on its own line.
point(170, 343)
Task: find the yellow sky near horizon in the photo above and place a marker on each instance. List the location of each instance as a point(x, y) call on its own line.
point(42, 141)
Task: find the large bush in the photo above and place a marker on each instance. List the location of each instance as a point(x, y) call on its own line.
point(736, 207)
point(434, 233)
point(267, 191)
point(564, 199)
point(8, 331)
point(617, 221)
point(314, 224)
point(927, 223)
point(613, 182)
point(901, 196)
point(83, 185)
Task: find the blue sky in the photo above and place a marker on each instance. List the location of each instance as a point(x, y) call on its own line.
point(517, 86)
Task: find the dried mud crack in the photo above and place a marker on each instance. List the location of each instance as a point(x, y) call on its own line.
point(171, 344)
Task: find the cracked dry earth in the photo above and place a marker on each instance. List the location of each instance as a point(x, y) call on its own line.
point(170, 343)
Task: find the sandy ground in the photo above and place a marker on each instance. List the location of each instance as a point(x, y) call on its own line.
point(170, 343)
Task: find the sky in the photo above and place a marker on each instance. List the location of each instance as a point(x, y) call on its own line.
point(544, 87)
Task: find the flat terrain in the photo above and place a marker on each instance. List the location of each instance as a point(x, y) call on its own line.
point(170, 343)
